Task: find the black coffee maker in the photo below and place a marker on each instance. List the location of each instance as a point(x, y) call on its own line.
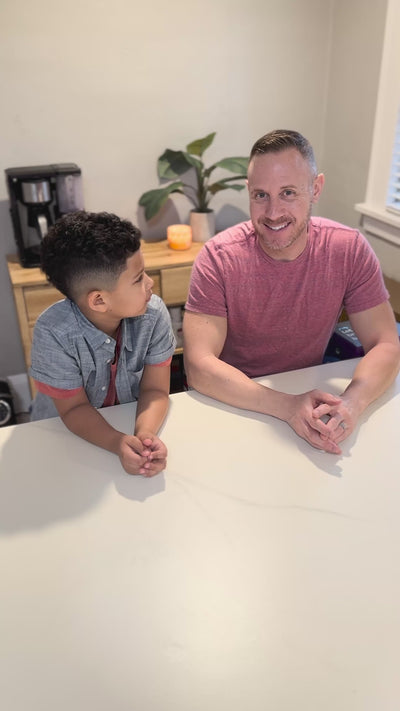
point(39, 195)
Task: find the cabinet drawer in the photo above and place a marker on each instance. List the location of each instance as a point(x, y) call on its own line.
point(175, 284)
point(37, 299)
point(156, 288)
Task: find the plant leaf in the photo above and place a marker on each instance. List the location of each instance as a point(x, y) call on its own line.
point(197, 147)
point(153, 200)
point(234, 165)
point(233, 177)
point(223, 185)
point(174, 163)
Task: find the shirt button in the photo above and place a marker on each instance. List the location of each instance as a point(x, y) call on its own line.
point(104, 387)
point(108, 340)
point(108, 361)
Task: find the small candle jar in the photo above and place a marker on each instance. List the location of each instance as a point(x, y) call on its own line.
point(179, 236)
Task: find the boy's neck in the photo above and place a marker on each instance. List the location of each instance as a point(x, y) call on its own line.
point(104, 322)
point(111, 331)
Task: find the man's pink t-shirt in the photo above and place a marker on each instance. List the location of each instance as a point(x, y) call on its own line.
point(280, 315)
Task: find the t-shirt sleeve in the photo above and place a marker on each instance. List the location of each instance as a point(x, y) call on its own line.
point(165, 363)
point(366, 288)
point(162, 343)
point(207, 284)
point(50, 363)
point(57, 393)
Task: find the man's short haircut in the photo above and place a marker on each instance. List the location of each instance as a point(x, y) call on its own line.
point(84, 251)
point(280, 140)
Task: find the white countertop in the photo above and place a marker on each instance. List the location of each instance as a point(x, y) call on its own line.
point(255, 573)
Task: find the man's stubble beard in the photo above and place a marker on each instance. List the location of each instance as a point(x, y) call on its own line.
point(276, 246)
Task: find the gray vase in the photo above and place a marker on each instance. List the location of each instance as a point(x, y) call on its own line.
point(203, 225)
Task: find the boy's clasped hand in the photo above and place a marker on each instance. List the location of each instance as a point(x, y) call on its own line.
point(142, 454)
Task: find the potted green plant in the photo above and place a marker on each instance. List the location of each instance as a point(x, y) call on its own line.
point(172, 164)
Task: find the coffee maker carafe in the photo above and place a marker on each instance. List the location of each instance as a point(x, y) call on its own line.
point(39, 195)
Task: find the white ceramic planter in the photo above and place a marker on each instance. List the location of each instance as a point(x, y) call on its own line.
point(203, 225)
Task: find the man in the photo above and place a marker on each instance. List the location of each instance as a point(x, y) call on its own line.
point(266, 295)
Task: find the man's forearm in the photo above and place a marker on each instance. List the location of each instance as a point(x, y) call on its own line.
point(217, 379)
point(223, 382)
point(373, 375)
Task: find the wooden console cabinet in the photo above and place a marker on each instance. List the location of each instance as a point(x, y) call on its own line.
point(170, 270)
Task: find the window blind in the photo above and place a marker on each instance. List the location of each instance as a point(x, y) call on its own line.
point(393, 197)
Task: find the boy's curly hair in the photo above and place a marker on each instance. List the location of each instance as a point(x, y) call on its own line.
point(83, 251)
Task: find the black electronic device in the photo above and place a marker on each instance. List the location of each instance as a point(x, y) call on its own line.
point(344, 343)
point(39, 195)
point(7, 415)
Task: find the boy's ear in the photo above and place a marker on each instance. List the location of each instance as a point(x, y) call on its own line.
point(96, 301)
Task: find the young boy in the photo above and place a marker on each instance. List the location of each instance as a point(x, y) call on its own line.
point(110, 341)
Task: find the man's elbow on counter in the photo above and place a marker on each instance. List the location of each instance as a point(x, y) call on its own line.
point(395, 350)
point(190, 374)
point(398, 356)
point(391, 358)
point(194, 375)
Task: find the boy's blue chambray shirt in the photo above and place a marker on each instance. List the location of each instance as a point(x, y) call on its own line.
point(69, 352)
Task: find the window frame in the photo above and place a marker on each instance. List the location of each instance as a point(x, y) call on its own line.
point(381, 220)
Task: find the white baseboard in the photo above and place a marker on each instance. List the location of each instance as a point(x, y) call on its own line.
point(19, 386)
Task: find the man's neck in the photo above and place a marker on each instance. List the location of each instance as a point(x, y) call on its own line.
point(288, 254)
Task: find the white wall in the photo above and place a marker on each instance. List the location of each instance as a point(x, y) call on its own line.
point(109, 86)
point(357, 40)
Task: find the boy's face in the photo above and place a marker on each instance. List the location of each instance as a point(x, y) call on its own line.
point(132, 291)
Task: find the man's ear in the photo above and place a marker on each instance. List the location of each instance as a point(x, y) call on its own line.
point(317, 187)
point(96, 300)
